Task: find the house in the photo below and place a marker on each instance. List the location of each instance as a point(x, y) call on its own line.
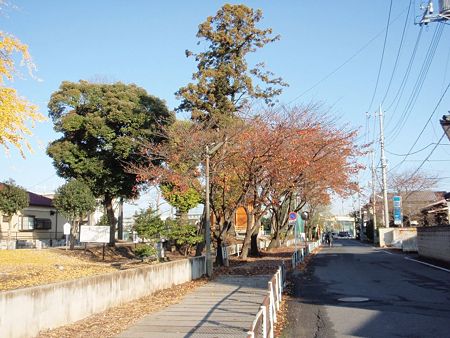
point(437, 213)
point(38, 225)
point(412, 203)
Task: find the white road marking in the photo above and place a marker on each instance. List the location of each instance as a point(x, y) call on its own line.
point(384, 251)
point(434, 266)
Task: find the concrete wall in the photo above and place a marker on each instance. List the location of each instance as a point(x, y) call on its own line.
point(401, 238)
point(25, 312)
point(434, 242)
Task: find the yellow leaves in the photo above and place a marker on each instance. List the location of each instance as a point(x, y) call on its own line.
point(9, 45)
point(24, 268)
point(15, 111)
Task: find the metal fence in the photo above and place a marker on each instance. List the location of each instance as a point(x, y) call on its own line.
point(265, 319)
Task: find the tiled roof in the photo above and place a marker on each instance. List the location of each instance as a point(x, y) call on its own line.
point(37, 200)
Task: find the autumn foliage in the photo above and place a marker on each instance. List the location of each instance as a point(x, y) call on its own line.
point(15, 111)
point(266, 162)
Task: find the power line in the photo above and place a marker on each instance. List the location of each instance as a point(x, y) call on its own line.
point(429, 155)
point(401, 89)
point(398, 53)
point(426, 124)
point(416, 152)
point(382, 57)
point(345, 62)
point(419, 83)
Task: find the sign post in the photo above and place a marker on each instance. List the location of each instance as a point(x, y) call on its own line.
point(398, 217)
point(293, 220)
point(95, 234)
point(66, 229)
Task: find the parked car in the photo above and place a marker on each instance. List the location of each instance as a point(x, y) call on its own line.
point(344, 234)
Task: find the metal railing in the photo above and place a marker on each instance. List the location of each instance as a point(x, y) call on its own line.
point(264, 322)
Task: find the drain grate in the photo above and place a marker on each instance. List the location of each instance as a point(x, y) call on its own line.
point(353, 299)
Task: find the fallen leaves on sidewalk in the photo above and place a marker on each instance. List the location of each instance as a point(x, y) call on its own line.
point(115, 320)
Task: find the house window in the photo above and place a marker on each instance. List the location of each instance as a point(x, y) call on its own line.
point(27, 223)
point(42, 224)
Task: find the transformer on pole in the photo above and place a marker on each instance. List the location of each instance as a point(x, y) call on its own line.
point(429, 16)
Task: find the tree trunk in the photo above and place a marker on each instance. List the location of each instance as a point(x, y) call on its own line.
point(73, 234)
point(275, 241)
point(219, 256)
point(120, 222)
point(111, 220)
point(248, 234)
point(254, 248)
point(200, 246)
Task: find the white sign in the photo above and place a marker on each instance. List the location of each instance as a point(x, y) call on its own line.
point(66, 228)
point(94, 234)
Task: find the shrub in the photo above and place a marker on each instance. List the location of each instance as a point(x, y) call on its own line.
point(145, 250)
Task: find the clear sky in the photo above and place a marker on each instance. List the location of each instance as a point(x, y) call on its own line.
point(329, 52)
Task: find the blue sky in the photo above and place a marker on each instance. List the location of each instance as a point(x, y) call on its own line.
point(143, 42)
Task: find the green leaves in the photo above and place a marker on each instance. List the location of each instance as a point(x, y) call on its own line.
point(149, 225)
point(74, 200)
point(224, 84)
point(12, 198)
point(103, 126)
point(183, 200)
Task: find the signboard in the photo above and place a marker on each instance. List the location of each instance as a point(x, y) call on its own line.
point(292, 216)
point(398, 219)
point(66, 227)
point(94, 234)
point(240, 224)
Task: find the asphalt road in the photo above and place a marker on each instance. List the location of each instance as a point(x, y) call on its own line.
point(405, 298)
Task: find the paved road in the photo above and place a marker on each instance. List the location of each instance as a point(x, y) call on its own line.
point(406, 299)
point(225, 307)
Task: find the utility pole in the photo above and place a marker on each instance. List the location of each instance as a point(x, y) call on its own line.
point(383, 173)
point(208, 153)
point(374, 196)
point(207, 218)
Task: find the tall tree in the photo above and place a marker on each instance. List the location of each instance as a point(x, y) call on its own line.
point(224, 82)
point(103, 127)
point(12, 199)
point(74, 200)
point(15, 111)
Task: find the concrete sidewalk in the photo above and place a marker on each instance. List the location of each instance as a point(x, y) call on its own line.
point(225, 307)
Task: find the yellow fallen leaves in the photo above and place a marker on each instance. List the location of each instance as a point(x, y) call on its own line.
point(24, 268)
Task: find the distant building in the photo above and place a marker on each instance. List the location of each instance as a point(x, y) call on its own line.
point(38, 225)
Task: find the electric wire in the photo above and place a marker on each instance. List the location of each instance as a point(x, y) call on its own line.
point(418, 84)
point(382, 57)
point(424, 127)
point(395, 131)
point(398, 53)
point(413, 153)
point(402, 86)
point(429, 155)
point(367, 44)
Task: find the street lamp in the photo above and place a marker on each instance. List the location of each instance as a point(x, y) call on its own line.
point(208, 153)
point(445, 123)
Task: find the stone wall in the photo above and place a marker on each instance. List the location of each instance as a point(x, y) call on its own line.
point(25, 312)
point(401, 238)
point(434, 242)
